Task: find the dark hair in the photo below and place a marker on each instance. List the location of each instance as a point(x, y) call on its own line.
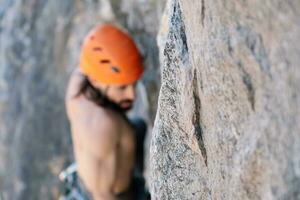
point(98, 97)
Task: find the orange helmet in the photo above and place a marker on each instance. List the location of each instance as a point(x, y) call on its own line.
point(110, 56)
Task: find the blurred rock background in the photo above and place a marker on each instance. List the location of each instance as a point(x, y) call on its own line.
point(39, 46)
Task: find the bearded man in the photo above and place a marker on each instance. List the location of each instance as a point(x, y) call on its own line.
point(108, 146)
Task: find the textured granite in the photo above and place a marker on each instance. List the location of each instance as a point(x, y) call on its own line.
point(227, 125)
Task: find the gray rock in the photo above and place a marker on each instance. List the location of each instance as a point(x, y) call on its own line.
point(39, 47)
point(227, 125)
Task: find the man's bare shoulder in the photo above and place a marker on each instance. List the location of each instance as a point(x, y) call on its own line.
point(88, 119)
point(91, 116)
point(78, 106)
point(94, 128)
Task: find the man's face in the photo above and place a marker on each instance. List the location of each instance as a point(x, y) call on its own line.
point(123, 95)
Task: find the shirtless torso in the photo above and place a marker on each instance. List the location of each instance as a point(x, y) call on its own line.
point(103, 142)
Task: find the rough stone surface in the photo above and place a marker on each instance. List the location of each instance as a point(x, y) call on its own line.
point(227, 125)
point(39, 46)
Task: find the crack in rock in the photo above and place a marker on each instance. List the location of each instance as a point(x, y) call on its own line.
point(197, 119)
point(254, 43)
point(247, 80)
point(202, 12)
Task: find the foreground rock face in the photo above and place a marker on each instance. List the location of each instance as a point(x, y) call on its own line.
point(39, 45)
point(227, 125)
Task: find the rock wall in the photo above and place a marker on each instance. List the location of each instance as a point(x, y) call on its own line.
point(39, 46)
point(227, 125)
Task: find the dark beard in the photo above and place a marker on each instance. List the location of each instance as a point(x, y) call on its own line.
point(96, 96)
point(126, 101)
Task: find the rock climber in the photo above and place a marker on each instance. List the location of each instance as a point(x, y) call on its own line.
point(108, 146)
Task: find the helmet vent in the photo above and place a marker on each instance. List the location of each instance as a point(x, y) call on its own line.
point(104, 61)
point(97, 49)
point(115, 69)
